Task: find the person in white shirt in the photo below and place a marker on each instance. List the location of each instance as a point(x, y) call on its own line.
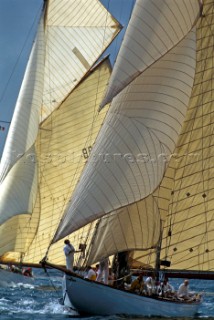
point(103, 271)
point(91, 274)
point(183, 290)
point(69, 254)
point(150, 285)
point(166, 289)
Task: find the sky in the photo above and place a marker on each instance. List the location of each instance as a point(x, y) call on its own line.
point(18, 21)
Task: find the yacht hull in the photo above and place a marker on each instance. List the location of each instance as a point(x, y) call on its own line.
point(9, 278)
point(90, 297)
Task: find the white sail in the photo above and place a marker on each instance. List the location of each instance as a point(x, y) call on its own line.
point(16, 235)
point(154, 28)
point(135, 227)
point(25, 122)
point(18, 170)
point(19, 188)
point(127, 162)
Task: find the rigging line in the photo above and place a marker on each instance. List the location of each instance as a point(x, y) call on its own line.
point(86, 239)
point(71, 183)
point(107, 217)
point(204, 164)
point(162, 220)
point(122, 231)
point(42, 168)
point(181, 179)
point(35, 21)
point(140, 221)
point(116, 41)
point(92, 240)
point(150, 257)
point(50, 279)
point(3, 121)
point(88, 141)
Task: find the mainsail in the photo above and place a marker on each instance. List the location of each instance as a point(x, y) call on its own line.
point(58, 63)
point(188, 237)
point(185, 196)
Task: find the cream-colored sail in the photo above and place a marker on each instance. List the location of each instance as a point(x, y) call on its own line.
point(63, 146)
point(186, 194)
point(155, 28)
point(16, 236)
point(18, 170)
point(77, 33)
point(25, 122)
point(191, 210)
point(127, 162)
point(19, 188)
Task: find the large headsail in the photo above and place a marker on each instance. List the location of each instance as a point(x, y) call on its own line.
point(49, 78)
point(142, 127)
point(154, 29)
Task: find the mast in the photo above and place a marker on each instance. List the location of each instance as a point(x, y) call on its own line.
point(158, 253)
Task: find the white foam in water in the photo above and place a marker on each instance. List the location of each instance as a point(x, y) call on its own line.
point(3, 301)
point(55, 307)
point(23, 285)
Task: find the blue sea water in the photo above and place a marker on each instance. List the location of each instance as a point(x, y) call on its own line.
point(42, 301)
